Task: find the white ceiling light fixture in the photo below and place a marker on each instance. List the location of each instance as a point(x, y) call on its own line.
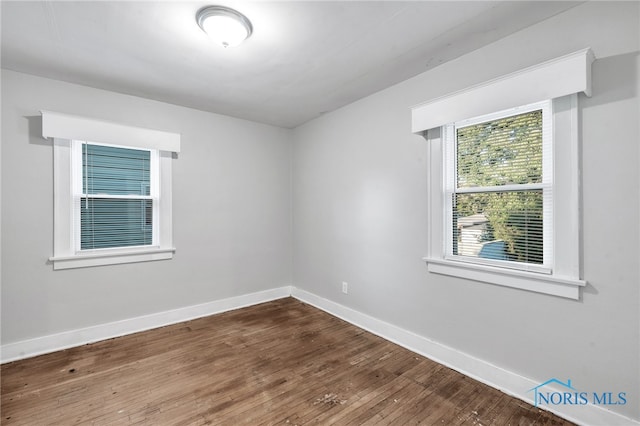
point(224, 25)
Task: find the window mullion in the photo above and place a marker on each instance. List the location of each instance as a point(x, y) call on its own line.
point(119, 197)
point(501, 188)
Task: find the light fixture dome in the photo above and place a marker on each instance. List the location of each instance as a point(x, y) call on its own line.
point(224, 25)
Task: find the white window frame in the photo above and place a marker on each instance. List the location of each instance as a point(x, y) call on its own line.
point(560, 277)
point(78, 195)
point(68, 132)
point(559, 80)
point(546, 185)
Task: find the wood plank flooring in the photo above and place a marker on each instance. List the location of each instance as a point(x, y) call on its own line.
point(278, 363)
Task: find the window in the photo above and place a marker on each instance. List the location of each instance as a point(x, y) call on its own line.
point(112, 192)
point(503, 181)
point(498, 188)
point(114, 197)
point(504, 198)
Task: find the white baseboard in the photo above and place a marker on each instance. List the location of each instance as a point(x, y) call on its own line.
point(68, 339)
point(506, 381)
point(485, 372)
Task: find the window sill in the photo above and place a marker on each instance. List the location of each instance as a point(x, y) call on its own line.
point(111, 258)
point(531, 281)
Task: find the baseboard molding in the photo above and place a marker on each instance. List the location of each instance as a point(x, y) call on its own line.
point(506, 381)
point(68, 339)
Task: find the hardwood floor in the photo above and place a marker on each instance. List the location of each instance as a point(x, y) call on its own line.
point(282, 362)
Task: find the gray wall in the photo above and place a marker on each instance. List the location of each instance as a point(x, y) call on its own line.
point(359, 192)
point(231, 210)
point(359, 214)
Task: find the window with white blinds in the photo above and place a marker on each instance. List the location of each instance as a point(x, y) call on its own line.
point(503, 188)
point(112, 199)
point(498, 185)
point(117, 197)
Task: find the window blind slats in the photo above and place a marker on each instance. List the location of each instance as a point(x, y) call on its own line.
point(499, 189)
point(115, 171)
point(115, 222)
point(502, 226)
point(501, 152)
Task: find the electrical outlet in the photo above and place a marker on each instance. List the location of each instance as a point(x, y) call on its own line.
point(345, 287)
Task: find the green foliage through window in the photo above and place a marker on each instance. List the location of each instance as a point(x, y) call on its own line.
point(500, 152)
point(494, 223)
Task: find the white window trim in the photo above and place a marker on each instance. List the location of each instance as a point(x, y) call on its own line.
point(552, 79)
point(559, 79)
point(65, 253)
point(67, 126)
point(563, 278)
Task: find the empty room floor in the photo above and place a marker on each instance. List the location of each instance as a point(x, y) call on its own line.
point(282, 362)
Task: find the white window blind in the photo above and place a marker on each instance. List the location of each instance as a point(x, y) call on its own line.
point(493, 216)
point(112, 191)
point(116, 206)
point(499, 188)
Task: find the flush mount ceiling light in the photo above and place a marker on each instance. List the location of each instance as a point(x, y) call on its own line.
point(224, 25)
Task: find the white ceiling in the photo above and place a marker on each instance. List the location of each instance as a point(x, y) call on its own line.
point(304, 58)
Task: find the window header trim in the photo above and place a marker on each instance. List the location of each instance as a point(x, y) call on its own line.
point(558, 77)
point(73, 127)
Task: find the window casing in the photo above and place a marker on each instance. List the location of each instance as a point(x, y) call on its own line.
point(114, 210)
point(560, 80)
point(558, 273)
